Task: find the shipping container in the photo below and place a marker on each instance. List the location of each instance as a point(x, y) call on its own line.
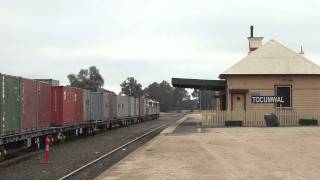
point(29, 104)
point(11, 122)
point(86, 105)
point(106, 106)
point(122, 106)
point(63, 106)
point(112, 99)
point(136, 112)
point(141, 107)
point(131, 106)
point(96, 106)
point(78, 104)
point(44, 105)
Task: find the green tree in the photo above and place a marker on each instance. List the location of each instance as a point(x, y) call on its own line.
point(170, 98)
point(87, 78)
point(179, 96)
point(161, 92)
point(207, 99)
point(131, 87)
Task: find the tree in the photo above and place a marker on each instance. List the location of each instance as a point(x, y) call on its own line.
point(170, 98)
point(131, 87)
point(179, 96)
point(161, 92)
point(87, 78)
point(207, 99)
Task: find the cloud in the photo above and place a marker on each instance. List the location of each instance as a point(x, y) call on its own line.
point(151, 40)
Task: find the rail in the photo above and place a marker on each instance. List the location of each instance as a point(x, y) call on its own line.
point(113, 151)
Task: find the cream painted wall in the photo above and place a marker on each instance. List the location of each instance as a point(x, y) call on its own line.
point(305, 90)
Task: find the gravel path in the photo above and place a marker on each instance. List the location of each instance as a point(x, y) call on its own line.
point(68, 156)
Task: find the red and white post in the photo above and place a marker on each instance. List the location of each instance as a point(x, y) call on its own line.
point(47, 143)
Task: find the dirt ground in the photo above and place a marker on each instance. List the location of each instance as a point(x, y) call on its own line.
point(225, 153)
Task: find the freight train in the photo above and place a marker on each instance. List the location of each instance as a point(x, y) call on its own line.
point(30, 110)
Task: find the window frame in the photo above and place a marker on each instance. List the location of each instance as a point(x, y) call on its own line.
point(276, 92)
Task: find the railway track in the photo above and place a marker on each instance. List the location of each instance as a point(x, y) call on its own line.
point(73, 173)
point(86, 158)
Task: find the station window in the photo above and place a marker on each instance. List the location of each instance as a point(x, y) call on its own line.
point(285, 92)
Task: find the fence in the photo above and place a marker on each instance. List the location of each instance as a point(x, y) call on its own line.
point(255, 118)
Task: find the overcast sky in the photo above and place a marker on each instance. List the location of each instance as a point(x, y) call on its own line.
point(152, 40)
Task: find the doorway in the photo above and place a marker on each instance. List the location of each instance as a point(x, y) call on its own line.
point(238, 102)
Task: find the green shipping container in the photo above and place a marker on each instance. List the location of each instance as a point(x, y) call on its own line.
point(10, 105)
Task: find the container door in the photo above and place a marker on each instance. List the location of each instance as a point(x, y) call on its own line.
point(114, 106)
point(44, 105)
point(11, 109)
point(118, 106)
point(101, 107)
point(78, 105)
point(57, 99)
point(29, 100)
point(110, 103)
point(86, 105)
point(105, 107)
point(93, 106)
point(129, 106)
point(132, 106)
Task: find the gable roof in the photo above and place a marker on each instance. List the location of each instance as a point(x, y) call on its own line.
point(273, 59)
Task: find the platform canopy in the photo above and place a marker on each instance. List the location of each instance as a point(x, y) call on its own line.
point(215, 85)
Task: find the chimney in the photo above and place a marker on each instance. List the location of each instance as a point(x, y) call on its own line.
point(301, 51)
point(254, 42)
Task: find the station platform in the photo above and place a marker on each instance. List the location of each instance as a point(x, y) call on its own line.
point(181, 152)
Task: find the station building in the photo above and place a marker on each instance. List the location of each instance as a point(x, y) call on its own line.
point(272, 70)
point(269, 71)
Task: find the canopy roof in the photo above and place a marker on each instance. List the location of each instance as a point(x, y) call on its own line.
point(215, 85)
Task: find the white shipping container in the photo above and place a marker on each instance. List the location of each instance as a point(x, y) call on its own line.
point(122, 106)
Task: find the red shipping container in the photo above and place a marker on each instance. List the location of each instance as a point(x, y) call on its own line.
point(65, 105)
point(29, 103)
point(78, 105)
point(44, 105)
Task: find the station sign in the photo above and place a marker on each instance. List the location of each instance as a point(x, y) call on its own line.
point(266, 99)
